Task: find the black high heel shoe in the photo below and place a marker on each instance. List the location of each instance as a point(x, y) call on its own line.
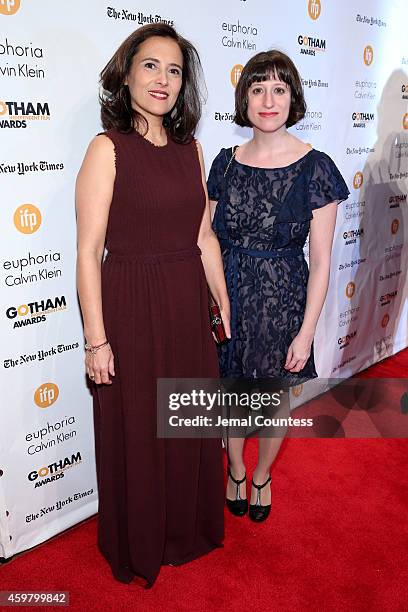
point(237, 506)
point(257, 512)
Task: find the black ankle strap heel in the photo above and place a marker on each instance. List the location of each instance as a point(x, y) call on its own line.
point(257, 512)
point(237, 506)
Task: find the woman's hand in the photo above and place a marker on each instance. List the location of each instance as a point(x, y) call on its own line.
point(226, 319)
point(225, 316)
point(100, 365)
point(298, 353)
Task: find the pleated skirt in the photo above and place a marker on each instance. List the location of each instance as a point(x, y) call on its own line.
point(160, 500)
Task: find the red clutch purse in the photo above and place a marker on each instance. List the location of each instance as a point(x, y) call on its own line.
point(217, 326)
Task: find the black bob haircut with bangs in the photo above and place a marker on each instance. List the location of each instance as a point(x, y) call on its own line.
point(260, 68)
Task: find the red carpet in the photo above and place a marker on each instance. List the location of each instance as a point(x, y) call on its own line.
point(337, 540)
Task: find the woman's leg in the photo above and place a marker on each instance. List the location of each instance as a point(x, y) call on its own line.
point(235, 448)
point(268, 450)
point(270, 440)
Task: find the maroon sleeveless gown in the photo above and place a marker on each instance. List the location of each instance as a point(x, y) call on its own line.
point(160, 500)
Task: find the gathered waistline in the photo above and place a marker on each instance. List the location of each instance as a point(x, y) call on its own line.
point(168, 256)
point(232, 278)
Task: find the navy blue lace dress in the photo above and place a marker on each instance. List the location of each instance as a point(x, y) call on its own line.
point(262, 221)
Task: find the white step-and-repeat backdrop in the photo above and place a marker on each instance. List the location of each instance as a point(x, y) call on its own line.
point(353, 58)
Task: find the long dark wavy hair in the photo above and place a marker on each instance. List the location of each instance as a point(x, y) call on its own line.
point(116, 107)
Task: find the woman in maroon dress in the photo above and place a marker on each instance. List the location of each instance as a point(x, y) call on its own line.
point(141, 193)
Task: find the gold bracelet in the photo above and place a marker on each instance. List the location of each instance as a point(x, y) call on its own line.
point(94, 349)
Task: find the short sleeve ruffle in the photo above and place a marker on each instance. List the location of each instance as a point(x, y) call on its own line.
point(216, 176)
point(326, 183)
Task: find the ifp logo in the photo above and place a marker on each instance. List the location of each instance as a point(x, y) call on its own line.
point(350, 289)
point(297, 390)
point(235, 74)
point(368, 55)
point(394, 226)
point(314, 9)
point(358, 180)
point(405, 121)
point(9, 7)
point(27, 218)
point(46, 395)
point(385, 320)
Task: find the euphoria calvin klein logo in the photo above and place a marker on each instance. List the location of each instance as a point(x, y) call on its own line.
point(46, 395)
point(235, 74)
point(368, 55)
point(9, 7)
point(358, 180)
point(350, 289)
point(27, 218)
point(314, 9)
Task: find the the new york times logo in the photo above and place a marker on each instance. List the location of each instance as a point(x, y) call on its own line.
point(371, 21)
point(352, 263)
point(229, 117)
point(139, 17)
point(309, 83)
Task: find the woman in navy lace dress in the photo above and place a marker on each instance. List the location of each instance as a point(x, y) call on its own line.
point(268, 194)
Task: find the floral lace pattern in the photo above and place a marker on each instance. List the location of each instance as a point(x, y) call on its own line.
point(260, 211)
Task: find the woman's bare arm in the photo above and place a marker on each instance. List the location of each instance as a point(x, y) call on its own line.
point(94, 189)
point(211, 256)
point(320, 245)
